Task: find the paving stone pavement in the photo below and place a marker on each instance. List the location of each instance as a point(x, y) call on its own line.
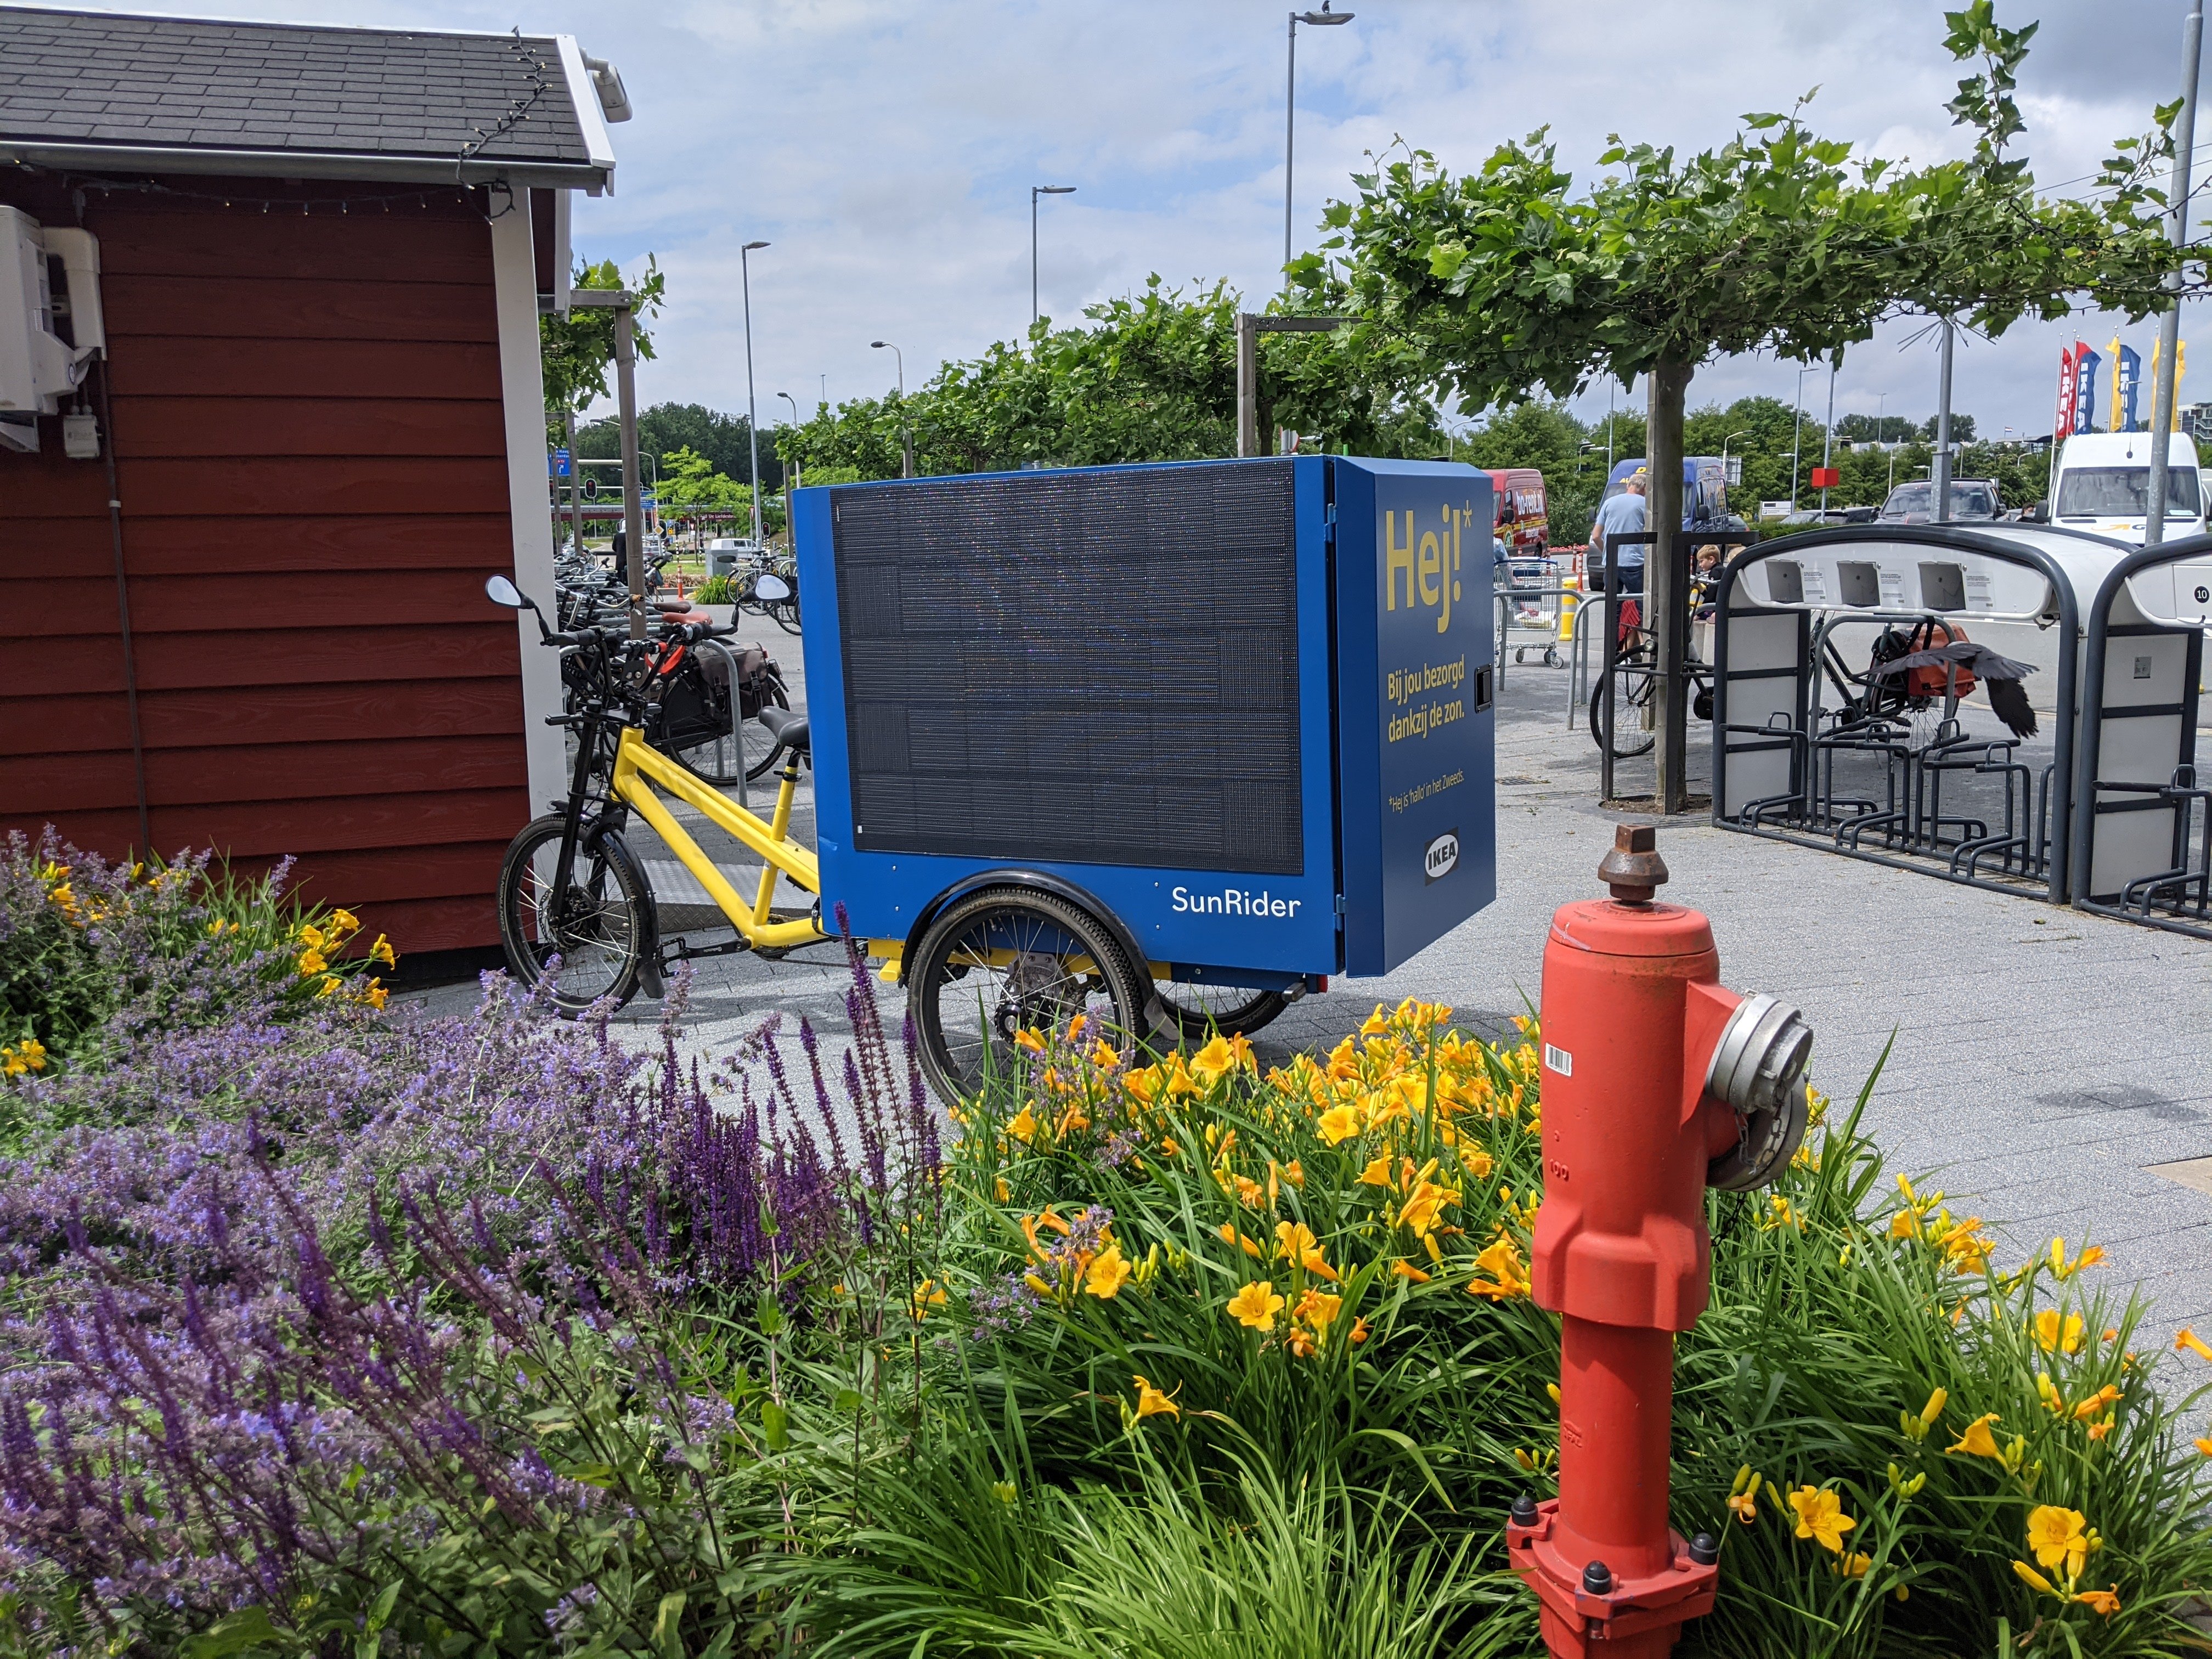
point(2045, 1061)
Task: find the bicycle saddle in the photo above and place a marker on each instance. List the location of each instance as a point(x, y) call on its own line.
point(787, 728)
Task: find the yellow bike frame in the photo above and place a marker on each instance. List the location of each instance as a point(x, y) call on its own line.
point(638, 768)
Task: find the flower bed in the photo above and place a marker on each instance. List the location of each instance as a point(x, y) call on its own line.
point(335, 1331)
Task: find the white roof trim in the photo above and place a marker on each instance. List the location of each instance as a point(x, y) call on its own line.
point(591, 120)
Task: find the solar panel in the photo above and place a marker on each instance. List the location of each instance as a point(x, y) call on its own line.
point(1096, 667)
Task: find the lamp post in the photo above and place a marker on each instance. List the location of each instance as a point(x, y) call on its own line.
point(791, 483)
point(1037, 191)
point(1827, 440)
point(1881, 432)
point(752, 420)
point(1796, 427)
point(2169, 326)
point(1320, 19)
point(1725, 442)
point(905, 431)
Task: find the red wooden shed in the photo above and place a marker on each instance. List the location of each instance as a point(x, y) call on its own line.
point(245, 526)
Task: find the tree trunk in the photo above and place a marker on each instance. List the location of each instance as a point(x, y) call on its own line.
point(1667, 384)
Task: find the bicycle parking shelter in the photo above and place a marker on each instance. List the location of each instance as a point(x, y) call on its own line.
point(2142, 829)
point(1240, 712)
point(1861, 778)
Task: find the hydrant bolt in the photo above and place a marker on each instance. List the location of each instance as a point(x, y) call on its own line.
point(1633, 870)
point(1704, 1549)
point(1597, 1578)
point(1524, 1511)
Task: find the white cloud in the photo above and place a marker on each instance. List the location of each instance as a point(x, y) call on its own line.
point(885, 149)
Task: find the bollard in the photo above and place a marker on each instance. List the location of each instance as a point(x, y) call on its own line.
point(1657, 1083)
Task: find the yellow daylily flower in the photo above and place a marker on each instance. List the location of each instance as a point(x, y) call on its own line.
point(1031, 1040)
point(1423, 1206)
point(2186, 1339)
point(1109, 1272)
point(344, 922)
point(1256, 1305)
point(1408, 1270)
point(373, 994)
point(1854, 1565)
point(927, 1295)
point(1230, 1235)
point(2033, 1579)
point(1820, 1515)
point(1023, 1126)
point(1508, 1277)
point(382, 951)
point(2106, 1602)
point(311, 963)
point(2058, 1537)
point(2053, 1337)
point(1339, 1124)
point(1317, 1309)
point(1150, 1402)
point(1978, 1441)
point(1212, 1062)
point(1377, 1172)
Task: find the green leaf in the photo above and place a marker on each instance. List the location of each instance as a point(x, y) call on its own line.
point(775, 1423)
point(379, 1610)
point(847, 1400)
point(249, 1627)
point(667, 1631)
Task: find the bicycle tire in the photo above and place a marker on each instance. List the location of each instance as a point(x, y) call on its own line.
point(609, 898)
point(1632, 690)
point(715, 764)
point(959, 1057)
point(784, 613)
point(1240, 1011)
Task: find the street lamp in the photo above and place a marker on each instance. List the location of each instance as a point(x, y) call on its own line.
point(793, 482)
point(1725, 442)
point(1796, 426)
point(1037, 191)
point(752, 420)
point(906, 432)
point(1321, 19)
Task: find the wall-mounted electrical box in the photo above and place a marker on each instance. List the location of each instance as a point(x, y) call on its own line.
point(50, 324)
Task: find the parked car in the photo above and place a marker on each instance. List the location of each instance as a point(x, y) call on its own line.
point(1523, 524)
point(1705, 491)
point(2104, 485)
point(1973, 501)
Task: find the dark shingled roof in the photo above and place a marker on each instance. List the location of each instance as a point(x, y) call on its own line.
point(406, 103)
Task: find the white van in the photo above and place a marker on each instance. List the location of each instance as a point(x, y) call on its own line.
point(2104, 483)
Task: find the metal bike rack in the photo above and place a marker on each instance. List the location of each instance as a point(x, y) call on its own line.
point(737, 718)
point(1784, 767)
point(2142, 806)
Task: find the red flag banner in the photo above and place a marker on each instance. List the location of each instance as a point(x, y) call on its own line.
point(2064, 423)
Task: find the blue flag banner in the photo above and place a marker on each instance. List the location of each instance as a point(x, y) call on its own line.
point(2127, 379)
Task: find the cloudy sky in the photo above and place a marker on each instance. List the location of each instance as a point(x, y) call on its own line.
point(885, 149)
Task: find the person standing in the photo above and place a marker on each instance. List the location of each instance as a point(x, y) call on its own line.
point(1625, 514)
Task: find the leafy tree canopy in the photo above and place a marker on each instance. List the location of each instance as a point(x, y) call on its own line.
point(1152, 377)
point(722, 439)
point(575, 351)
point(1505, 280)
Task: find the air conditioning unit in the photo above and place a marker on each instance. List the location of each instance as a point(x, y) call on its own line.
point(50, 324)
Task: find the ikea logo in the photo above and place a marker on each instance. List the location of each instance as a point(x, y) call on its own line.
point(1429, 558)
point(1440, 856)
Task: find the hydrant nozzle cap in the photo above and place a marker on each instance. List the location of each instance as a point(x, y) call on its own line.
point(1633, 870)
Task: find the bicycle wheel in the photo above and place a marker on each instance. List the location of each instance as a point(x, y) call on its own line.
point(716, 760)
point(1200, 1011)
point(599, 936)
point(784, 612)
point(1004, 960)
point(1631, 696)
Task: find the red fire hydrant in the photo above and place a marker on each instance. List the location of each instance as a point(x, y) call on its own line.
point(1658, 1083)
